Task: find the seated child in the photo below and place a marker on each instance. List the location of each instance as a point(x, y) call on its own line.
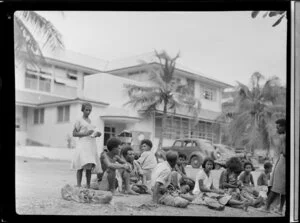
point(163, 180)
point(263, 180)
point(264, 177)
point(247, 186)
point(246, 177)
point(147, 159)
point(186, 183)
point(229, 178)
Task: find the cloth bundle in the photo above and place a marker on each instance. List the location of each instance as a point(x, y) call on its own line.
point(140, 188)
point(82, 195)
point(212, 200)
point(174, 201)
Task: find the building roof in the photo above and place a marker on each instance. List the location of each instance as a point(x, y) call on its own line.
point(33, 99)
point(100, 65)
point(150, 58)
point(78, 59)
point(38, 99)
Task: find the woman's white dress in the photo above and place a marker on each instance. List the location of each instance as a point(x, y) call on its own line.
point(86, 148)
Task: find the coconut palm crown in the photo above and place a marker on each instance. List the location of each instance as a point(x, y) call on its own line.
point(253, 112)
point(31, 29)
point(164, 91)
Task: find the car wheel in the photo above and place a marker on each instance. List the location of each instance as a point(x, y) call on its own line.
point(196, 161)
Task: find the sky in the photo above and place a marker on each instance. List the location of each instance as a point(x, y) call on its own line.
point(227, 46)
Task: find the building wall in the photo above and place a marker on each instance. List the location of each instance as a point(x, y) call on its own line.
point(199, 86)
point(19, 76)
point(70, 88)
point(110, 89)
point(55, 134)
point(21, 132)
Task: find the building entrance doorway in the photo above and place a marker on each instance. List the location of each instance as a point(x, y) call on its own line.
point(109, 131)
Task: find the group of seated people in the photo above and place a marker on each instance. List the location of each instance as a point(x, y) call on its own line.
point(163, 176)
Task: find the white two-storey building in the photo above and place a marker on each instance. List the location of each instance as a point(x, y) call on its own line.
point(48, 101)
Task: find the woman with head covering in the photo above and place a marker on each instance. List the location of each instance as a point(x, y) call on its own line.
point(86, 156)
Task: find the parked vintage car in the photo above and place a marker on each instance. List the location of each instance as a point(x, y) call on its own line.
point(224, 150)
point(195, 149)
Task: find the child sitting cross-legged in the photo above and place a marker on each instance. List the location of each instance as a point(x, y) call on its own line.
point(248, 190)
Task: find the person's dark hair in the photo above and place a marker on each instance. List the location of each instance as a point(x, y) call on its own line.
point(147, 142)
point(113, 143)
point(181, 155)
point(125, 150)
point(234, 165)
point(172, 156)
point(84, 105)
point(268, 165)
point(248, 163)
point(280, 122)
point(208, 160)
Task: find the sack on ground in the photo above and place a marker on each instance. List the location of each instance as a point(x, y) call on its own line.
point(213, 203)
point(174, 201)
point(82, 195)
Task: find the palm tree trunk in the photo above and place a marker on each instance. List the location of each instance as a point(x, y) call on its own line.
point(164, 118)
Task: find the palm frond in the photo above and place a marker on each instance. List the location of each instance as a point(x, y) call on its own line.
point(143, 99)
point(133, 89)
point(239, 125)
point(167, 64)
point(51, 37)
point(271, 90)
point(27, 42)
point(254, 14)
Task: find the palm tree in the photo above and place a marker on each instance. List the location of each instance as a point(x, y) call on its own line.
point(29, 28)
point(282, 15)
point(253, 113)
point(164, 92)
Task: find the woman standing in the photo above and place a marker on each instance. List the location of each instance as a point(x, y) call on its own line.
point(86, 156)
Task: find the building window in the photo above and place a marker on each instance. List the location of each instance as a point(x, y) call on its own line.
point(191, 86)
point(18, 123)
point(208, 93)
point(63, 113)
point(38, 116)
point(38, 80)
point(109, 132)
point(136, 72)
point(179, 127)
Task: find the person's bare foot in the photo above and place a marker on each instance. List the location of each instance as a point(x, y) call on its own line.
point(278, 211)
point(264, 209)
point(246, 205)
point(131, 192)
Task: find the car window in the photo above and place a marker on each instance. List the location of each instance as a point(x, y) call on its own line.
point(188, 143)
point(178, 143)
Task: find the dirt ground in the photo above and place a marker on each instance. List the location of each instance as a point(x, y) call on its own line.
point(39, 182)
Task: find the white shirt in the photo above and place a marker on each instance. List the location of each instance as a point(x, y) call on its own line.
point(162, 174)
point(207, 181)
point(147, 160)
